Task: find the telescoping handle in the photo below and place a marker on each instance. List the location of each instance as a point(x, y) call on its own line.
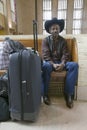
point(35, 35)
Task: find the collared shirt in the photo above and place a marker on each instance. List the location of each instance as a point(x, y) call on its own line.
point(5, 50)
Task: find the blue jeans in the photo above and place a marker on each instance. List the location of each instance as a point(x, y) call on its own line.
point(71, 77)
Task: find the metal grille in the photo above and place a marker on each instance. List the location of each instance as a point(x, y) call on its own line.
point(56, 89)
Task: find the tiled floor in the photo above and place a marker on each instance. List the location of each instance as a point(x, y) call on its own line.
point(54, 117)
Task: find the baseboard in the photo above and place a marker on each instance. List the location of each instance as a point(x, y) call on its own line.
point(82, 93)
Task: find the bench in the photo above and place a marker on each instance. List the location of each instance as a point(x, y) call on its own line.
point(57, 78)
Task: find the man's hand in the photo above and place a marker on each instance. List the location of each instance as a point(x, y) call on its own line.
point(58, 67)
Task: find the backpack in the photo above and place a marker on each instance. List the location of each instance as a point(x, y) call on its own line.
point(4, 110)
point(4, 103)
point(4, 85)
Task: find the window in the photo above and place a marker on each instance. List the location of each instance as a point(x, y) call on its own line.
point(1, 7)
point(62, 11)
point(77, 16)
point(65, 9)
point(47, 12)
point(13, 13)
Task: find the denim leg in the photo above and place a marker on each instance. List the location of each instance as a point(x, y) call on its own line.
point(46, 71)
point(71, 77)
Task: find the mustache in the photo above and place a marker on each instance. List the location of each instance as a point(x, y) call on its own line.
point(55, 34)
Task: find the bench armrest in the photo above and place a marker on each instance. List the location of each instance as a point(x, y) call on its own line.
point(2, 71)
point(74, 51)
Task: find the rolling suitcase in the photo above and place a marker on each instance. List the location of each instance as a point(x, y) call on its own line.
point(25, 84)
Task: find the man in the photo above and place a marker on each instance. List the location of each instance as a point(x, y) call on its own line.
point(56, 57)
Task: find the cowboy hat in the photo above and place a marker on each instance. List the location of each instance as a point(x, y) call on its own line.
point(49, 23)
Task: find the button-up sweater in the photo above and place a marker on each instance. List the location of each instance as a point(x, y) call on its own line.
point(55, 49)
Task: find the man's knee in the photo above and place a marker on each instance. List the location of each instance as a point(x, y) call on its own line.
point(47, 66)
point(75, 65)
point(72, 65)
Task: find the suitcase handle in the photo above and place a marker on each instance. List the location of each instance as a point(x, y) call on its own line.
point(35, 36)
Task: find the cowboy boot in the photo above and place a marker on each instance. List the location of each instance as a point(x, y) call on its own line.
point(46, 100)
point(69, 100)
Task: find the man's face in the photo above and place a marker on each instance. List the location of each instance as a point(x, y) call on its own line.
point(54, 29)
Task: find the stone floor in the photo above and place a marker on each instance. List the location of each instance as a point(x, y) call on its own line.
point(54, 117)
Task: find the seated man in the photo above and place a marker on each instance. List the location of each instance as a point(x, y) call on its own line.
point(56, 57)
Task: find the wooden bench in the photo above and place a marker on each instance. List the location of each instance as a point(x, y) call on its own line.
point(57, 78)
